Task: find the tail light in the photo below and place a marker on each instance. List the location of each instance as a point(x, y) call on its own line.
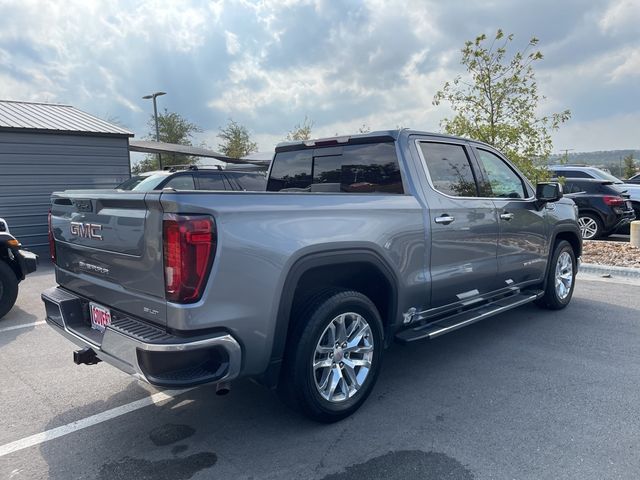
point(189, 249)
point(613, 201)
point(52, 241)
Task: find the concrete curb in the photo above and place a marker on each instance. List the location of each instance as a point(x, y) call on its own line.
point(614, 271)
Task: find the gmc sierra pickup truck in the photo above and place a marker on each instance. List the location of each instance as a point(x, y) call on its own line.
point(358, 241)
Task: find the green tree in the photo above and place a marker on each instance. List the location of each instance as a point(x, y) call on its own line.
point(300, 131)
point(235, 140)
point(497, 101)
point(629, 166)
point(173, 128)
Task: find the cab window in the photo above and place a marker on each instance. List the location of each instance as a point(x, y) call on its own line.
point(449, 169)
point(501, 180)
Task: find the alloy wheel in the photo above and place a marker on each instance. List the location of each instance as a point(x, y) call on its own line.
point(343, 356)
point(588, 227)
point(564, 275)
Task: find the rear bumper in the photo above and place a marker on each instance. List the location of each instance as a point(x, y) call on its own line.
point(142, 350)
point(28, 261)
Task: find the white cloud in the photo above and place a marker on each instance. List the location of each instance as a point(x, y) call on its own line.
point(232, 42)
point(268, 63)
point(630, 66)
point(621, 16)
point(616, 132)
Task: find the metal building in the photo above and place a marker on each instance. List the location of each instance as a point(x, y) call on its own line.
point(46, 148)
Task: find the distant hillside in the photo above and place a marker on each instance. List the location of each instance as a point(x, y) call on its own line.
point(597, 158)
point(610, 160)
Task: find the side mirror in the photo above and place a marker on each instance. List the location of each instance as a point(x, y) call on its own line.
point(548, 192)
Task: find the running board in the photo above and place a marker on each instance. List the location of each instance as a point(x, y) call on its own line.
point(460, 320)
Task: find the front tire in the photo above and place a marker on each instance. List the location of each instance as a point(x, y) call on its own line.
point(333, 356)
point(560, 278)
point(8, 288)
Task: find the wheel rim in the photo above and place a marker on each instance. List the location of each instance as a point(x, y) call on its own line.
point(564, 275)
point(342, 359)
point(588, 227)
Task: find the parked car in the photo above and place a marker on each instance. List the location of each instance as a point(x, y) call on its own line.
point(191, 177)
point(15, 265)
point(581, 171)
point(359, 241)
point(634, 180)
point(603, 207)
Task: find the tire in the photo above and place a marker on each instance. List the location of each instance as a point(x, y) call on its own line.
point(558, 297)
point(308, 389)
point(590, 226)
point(8, 288)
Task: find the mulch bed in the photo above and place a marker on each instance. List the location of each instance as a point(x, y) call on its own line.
point(618, 254)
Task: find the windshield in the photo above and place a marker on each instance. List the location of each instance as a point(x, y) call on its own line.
point(143, 183)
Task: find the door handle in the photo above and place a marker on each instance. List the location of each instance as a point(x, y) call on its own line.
point(444, 219)
point(506, 216)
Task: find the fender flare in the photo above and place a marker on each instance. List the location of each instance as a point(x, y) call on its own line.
point(4, 255)
point(304, 264)
point(571, 229)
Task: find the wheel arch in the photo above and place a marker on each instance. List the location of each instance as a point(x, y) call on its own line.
point(571, 235)
point(360, 269)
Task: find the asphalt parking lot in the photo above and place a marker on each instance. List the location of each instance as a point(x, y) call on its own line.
point(527, 395)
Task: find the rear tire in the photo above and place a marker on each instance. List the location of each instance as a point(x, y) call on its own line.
point(8, 288)
point(561, 278)
point(590, 225)
point(333, 356)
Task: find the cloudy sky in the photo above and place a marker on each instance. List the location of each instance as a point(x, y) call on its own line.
point(342, 63)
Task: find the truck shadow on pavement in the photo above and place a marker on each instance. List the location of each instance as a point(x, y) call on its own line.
point(439, 410)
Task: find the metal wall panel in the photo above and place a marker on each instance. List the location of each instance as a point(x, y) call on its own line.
point(33, 165)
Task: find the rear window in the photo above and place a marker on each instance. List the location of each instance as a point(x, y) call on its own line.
point(369, 168)
point(591, 188)
point(572, 174)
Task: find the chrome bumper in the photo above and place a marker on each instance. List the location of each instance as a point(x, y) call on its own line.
point(130, 345)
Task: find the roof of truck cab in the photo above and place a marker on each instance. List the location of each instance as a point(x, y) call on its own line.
point(378, 135)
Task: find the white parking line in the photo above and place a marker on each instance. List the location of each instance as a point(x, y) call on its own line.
point(26, 325)
point(63, 430)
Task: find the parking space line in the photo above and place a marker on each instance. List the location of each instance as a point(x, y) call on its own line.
point(26, 325)
point(72, 427)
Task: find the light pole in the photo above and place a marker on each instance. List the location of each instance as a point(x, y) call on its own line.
point(153, 96)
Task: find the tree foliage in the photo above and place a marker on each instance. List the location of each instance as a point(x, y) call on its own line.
point(629, 166)
point(173, 128)
point(300, 131)
point(235, 140)
point(497, 102)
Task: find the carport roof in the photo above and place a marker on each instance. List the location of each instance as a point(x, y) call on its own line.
point(53, 118)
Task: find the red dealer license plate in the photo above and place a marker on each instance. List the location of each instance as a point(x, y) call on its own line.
point(100, 317)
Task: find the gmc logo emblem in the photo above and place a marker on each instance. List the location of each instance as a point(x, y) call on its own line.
point(86, 230)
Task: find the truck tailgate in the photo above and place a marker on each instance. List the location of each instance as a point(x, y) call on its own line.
point(109, 249)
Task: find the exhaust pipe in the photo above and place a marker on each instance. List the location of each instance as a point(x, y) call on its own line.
point(86, 356)
point(223, 388)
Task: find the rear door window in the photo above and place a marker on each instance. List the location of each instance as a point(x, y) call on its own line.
point(450, 169)
point(211, 182)
point(368, 168)
point(181, 182)
point(248, 181)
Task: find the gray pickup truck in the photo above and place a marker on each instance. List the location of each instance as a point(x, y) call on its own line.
point(358, 241)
